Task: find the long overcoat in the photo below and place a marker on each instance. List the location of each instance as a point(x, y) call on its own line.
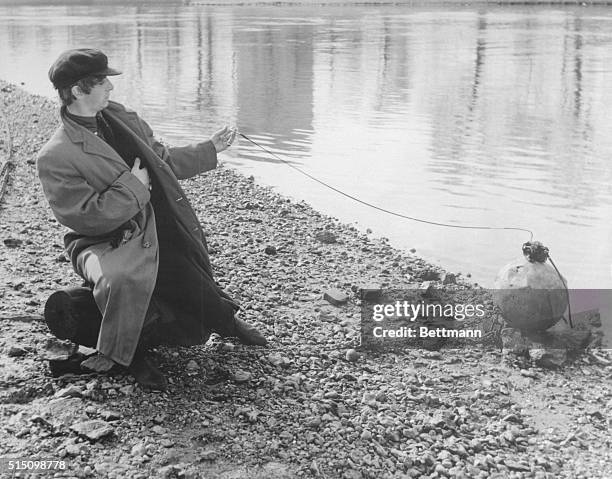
point(92, 191)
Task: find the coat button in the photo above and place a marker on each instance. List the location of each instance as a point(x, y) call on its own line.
point(146, 244)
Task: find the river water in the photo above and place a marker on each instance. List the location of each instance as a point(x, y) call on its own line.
point(469, 116)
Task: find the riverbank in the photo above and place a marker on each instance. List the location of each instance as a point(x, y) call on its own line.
point(302, 407)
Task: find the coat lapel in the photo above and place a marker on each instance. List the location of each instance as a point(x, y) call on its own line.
point(90, 143)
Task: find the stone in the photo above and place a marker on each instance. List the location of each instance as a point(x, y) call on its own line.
point(12, 242)
point(430, 275)
point(93, 429)
point(69, 392)
point(548, 358)
point(192, 366)
point(58, 350)
point(63, 411)
point(326, 237)
point(138, 450)
point(208, 455)
point(516, 466)
point(110, 415)
point(335, 296)
point(352, 355)
point(241, 376)
point(127, 390)
point(278, 360)
point(73, 449)
point(271, 250)
point(16, 351)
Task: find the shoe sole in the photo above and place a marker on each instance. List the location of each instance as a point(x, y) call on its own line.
point(60, 316)
point(73, 314)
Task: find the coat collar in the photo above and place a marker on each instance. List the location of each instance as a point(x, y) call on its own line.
point(89, 142)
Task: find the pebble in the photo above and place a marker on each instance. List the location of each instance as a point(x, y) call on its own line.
point(241, 376)
point(92, 430)
point(16, 351)
point(208, 455)
point(192, 366)
point(336, 297)
point(138, 450)
point(69, 391)
point(352, 355)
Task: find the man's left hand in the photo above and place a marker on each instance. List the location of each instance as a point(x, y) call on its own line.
point(223, 138)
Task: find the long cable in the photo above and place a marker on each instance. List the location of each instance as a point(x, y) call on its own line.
point(569, 304)
point(394, 213)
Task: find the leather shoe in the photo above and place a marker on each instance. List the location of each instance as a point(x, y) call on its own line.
point(147, 375)
point(247, 334)
point(73, 314)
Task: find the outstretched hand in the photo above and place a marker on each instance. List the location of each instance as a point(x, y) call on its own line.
point(223, 138)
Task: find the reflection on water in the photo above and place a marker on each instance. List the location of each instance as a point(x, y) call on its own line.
point(494, 117)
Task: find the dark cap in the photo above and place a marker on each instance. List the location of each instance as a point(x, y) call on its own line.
point(74, 65)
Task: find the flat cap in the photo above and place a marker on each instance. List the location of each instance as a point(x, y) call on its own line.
point(74, 65)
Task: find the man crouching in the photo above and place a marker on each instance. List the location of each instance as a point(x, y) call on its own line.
point(134, 239)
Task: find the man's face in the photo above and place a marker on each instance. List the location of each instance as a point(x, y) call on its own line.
point(97, 99)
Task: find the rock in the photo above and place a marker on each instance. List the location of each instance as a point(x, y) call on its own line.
point(73, 449)
point(93, 430)
point(138, 450)
point(208, 455)
point(326, 237)
point(110, 415)
point(169, 472)
point(57, 350)
point(352, 355)
point(127, 390)
point(366, 435)
point(158, 430)
point(336, 297)
point(517, 466)
point(271, 250)
point(16, 351)
point(229, 347)
point(430, 275)
point(63, 411)
point(449, 278)
point(241, 376)
point(352, 474)
point(192, 366)
point(278, 360)
point(12, 242)
point(69, 392)
point(548, 358)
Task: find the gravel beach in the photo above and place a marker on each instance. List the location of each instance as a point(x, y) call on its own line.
point(313, 404)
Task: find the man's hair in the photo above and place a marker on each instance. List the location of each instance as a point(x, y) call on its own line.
point(86, 85)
